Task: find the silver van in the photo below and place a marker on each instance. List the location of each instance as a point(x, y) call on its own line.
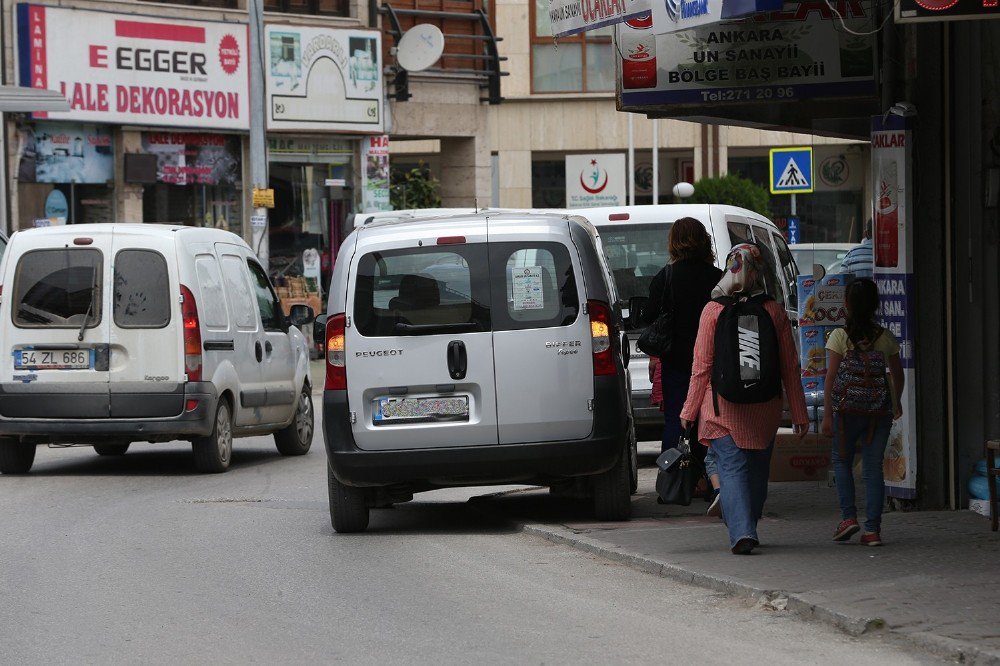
point(121, 333)
point(634, 241)
point(473, 350)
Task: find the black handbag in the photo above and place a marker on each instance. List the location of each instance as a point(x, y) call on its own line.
point(656, 339)
point(678, 475)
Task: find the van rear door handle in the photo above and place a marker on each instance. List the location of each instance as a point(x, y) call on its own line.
point(268, 348)
point(458, 360)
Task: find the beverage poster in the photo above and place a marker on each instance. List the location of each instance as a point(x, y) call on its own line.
point(892, 173)
point(375, 183)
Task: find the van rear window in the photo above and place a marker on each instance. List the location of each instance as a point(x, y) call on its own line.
point(422, 291)
point(142, 290)
point(58, 288)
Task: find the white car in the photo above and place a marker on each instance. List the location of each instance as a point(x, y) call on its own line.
point(120, 333)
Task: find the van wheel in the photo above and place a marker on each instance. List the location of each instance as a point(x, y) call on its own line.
point(612, 499)
point(16, 457)
point(348, 506)
point(296, 439)
point(213, 452)
point(110, 449)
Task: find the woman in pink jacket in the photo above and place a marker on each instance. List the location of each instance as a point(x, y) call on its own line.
point(742, 435)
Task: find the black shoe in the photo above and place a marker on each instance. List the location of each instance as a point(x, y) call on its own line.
point(744, 546)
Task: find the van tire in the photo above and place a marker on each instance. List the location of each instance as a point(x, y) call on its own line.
point(296, 438)
point(348, 506)
point(213, 453)
point(110, 449)
point(16, 457)
point(612, 499)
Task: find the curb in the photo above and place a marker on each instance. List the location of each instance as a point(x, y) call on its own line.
point(940, 646)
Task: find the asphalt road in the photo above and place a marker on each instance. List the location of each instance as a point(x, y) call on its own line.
point(140, 559)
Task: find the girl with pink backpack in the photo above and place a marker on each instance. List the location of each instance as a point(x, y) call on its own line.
point(864, 382)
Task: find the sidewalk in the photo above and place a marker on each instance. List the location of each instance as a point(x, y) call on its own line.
point(936, 581)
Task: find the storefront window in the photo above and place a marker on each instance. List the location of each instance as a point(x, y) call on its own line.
point(197, 180)
point(825, 216)
point(64, 174)
point(548, 183)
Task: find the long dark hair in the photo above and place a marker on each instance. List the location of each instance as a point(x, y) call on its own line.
point(862, 305)
point(689, 240)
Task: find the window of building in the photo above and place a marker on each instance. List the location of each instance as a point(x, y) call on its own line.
point(314, 7)
point(548, 183)
point(579, 63)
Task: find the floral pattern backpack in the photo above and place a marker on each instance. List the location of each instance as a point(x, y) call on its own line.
point(861, 387)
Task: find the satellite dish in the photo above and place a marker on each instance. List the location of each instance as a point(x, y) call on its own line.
point(683, 190)
point(420, 47)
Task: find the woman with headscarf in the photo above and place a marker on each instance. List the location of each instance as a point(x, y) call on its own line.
point(741, 436)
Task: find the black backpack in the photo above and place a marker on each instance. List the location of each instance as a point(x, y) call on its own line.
point(746, 366)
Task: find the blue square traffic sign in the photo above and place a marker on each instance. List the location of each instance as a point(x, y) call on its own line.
point(791, 170)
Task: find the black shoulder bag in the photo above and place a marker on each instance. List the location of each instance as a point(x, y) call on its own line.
point(658, 336)
point(678, 473)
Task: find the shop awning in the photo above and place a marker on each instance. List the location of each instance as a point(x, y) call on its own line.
point(27, 100)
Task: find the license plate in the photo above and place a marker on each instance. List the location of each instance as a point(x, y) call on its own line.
point(416, 410)
point(53, 359)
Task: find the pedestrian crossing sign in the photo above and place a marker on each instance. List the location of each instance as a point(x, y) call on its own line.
point(791, 170)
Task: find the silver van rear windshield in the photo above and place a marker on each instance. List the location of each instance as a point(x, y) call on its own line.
point(58, 288)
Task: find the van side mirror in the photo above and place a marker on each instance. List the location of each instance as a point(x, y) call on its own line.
point(636, 305)
point(300, 315)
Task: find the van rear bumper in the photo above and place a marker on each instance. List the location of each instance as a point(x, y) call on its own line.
point(478, 465)
point(64, 428)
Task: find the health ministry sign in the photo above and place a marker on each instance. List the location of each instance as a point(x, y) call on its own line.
point(798, 53)
point(128, 68)
point(595, 180)
point(324, 79)
point(569, 17)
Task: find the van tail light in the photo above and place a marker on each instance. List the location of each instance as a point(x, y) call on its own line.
point(336, 356)
point(601, 330)
point(192, 335)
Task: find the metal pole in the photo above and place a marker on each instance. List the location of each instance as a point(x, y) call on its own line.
point(631, 162)
point(793, 204)
point(258, 146)
point(656, 161)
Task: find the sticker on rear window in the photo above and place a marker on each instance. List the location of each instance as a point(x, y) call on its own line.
point(528, 288)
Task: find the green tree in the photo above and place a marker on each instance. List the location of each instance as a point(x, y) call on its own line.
point(734, 191)
point(414, 188)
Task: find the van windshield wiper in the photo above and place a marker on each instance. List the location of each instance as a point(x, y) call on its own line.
point(90, 306)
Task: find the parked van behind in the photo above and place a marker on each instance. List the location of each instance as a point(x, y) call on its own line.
point(473, 350)
point(120, 333)
point(634, 241)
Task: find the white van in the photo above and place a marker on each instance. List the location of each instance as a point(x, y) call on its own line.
point(118, 333)
point(634, 241)
point(474, 350)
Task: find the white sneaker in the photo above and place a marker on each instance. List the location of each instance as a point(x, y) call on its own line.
point(715, 508)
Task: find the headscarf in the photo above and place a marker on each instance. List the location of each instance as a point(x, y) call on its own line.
point(744, 274)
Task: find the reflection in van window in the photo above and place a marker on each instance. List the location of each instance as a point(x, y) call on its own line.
point(540, 286)
point(213, 298)
point(426, 290)
point(58, 288)
point(635, 253)
point(142, 290)
point(234, 271)
point(267, 303)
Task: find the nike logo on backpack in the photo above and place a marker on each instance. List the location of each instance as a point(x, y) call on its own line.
point(749, 342)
